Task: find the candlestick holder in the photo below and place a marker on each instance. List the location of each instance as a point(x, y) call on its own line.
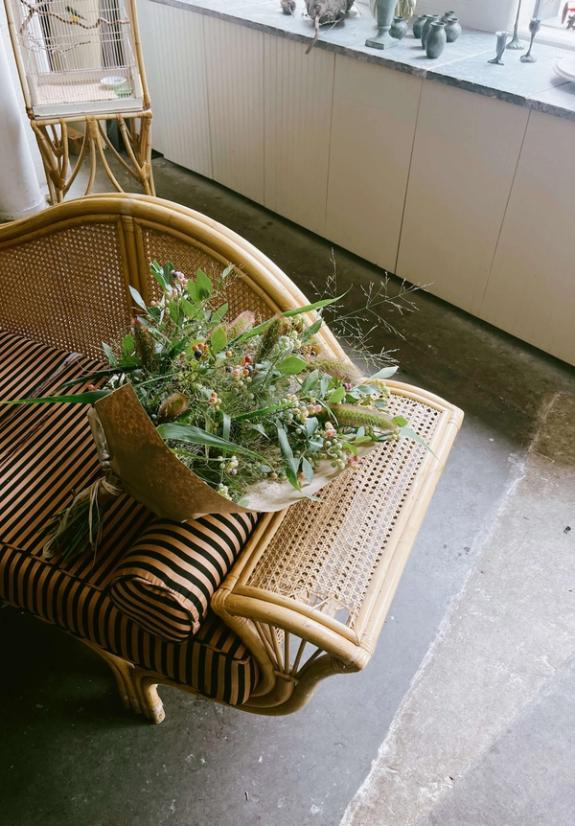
point(515, 43)
point(501, 43)
point(534, 27)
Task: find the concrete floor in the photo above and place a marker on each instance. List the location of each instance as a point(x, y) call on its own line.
point(70, 754)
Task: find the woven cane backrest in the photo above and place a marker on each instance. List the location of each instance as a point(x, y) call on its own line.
point(66, 288)
point(66, 283)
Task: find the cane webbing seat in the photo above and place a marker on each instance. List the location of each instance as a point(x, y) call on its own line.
point(45, 453)
point(260, 622)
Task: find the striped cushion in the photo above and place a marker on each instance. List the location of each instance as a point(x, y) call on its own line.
point(45, 452)
point(215, 662)
point(166, 580)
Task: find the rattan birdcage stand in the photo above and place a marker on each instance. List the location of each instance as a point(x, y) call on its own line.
point(50, 121)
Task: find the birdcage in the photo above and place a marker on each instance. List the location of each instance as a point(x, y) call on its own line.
point(77, 56)
point(80, 63)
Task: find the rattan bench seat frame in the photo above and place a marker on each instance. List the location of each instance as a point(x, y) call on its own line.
point(312, 587)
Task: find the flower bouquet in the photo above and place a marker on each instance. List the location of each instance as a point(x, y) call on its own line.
point(198, 413)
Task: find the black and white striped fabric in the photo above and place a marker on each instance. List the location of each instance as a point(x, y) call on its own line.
point(166, 580)
point(134, 599)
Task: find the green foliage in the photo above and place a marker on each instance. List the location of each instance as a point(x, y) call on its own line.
point(240, 400)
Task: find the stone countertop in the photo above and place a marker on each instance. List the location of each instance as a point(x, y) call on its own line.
point(462, 64)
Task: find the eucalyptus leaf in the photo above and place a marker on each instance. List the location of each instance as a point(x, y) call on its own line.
point(311, 425)
point(219, 313)
point(286, 448)
point(174, 309)
point(307, 469)
point(226, 425)
point(158, 272)
point(258, 426)
point(204, 284)
point(218, 339)
point(366, 389)
point(192, 309)
point(109, 353)
point(337, 395)
point(312, 329)
point(385, 372)
point(138, 299)
point(291, 365)
point(310, 382)
point(291, 476)
point(409, 433)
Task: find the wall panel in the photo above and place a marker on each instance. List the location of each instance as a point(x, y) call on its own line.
point(531, 291)
point(464, 159)
point(298, 104)
point(235, 75)
point(173, 42)
point(374, 120)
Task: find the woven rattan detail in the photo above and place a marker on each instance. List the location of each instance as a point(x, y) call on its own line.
point(324, 553)
point(66, 289)
point(162, 247)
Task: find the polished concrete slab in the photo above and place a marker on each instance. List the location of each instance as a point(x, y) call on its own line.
point(69, 753)
point(485, 733)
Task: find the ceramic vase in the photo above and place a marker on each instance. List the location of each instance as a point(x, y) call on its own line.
point(384, 13)
point(436, 39)
point(418, 25)
point(398, 28)
point(452, 29)
point(432, 18)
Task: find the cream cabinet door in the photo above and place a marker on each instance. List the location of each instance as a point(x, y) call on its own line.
point(298, 100)
point(173, 44)
point(464, 159)
point(235, 71)
point(374, 119)
point(531, 292)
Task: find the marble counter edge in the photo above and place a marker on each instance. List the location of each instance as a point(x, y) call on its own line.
point(445, 73)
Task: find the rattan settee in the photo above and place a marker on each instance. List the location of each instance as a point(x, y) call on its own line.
point(249, 611)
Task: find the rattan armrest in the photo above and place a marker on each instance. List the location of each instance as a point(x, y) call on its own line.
point(326, 572)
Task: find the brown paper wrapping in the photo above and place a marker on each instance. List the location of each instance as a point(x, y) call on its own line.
point(153, 475)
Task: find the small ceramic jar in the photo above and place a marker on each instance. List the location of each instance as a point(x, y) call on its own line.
point(433, 18)
point(452, 29)
point(398, 28)
point(436, 39)
point(418, 25)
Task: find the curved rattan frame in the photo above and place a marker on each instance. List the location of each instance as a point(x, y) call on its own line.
point(294, 643)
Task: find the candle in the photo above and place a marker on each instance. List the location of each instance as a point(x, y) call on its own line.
point(537, 7)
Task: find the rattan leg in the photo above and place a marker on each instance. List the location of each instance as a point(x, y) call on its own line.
point(53, 143)
point(149, 699)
